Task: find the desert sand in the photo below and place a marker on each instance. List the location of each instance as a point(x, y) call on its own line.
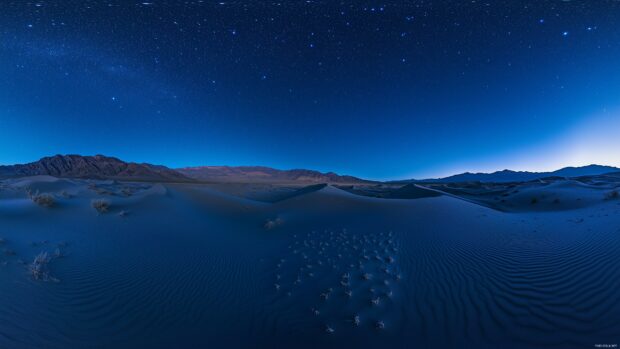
point(100, 264)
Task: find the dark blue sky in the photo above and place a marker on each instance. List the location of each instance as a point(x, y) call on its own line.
point(374, 89)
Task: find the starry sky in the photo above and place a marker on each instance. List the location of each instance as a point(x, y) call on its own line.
point(380, 90)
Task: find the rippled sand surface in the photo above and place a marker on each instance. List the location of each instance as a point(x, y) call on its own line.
point(190, 267)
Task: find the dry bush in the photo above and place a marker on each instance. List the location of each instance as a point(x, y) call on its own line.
point(43, 200)
point(39, 268)
point(612, 195)
point(272, 223)
point(102, 206)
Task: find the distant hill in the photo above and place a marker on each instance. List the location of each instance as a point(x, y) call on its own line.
point(105, 167)
point(523, 176)
point(245, 174)
point(98, 166)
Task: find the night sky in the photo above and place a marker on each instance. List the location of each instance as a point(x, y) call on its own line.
point(373, 89)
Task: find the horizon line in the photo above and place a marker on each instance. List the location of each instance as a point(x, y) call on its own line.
point(321, 170)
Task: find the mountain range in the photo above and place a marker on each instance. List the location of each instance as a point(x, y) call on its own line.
point(100, 167)
point(264, 174)
point(523, 176)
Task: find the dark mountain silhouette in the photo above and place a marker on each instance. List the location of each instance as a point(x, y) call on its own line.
point(101, 167)
point(524, 176)
point(98, 166)
point(264, 174)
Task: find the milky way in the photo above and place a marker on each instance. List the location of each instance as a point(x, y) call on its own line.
point(374, 89)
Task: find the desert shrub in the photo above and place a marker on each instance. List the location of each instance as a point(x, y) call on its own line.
point(272, 223)
point(39, 268)
point(556, 201)
point(99, 190)
point(534, 200)
point(102, 206)
point(612, 195)
point(43, 200)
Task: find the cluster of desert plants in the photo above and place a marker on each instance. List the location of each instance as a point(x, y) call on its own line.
point(41, 199)
point(272, 223)
point(127, 191)
point(612, 195)
point(39, 268)
point(101, 205)
point(99, 190)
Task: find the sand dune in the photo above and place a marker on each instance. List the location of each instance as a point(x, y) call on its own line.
point(171, 265)
point(555, 195)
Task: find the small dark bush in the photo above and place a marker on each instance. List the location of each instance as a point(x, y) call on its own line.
point(39, 268)
point(270, 224)
point(100, 205)
point(43, 200)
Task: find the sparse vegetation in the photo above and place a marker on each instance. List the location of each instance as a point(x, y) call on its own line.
point(272, 223)
point(102, 206)
point(99, 190)
point(534, 200)
point(39, 268)
point(43, 199)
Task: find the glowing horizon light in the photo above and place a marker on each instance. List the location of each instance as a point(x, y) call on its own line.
point(593, 141)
